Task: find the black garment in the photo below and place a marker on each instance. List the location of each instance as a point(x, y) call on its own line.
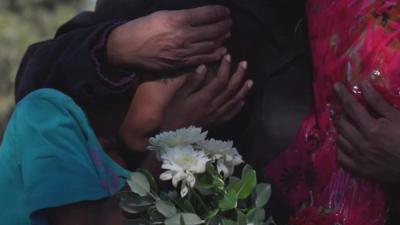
point(270, 34)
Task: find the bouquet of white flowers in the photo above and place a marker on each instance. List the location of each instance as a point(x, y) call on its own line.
point(204, 190)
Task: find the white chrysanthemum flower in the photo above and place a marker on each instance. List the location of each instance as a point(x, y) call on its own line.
point(224, 154)
point(171, 139)
point(182, 163)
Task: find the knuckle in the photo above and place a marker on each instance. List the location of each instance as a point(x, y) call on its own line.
point(374, 130)
point(177, 17)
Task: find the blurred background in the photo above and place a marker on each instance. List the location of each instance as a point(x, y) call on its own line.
point(23, 22)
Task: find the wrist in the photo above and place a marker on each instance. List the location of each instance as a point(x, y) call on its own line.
point(114, 47)
point(132, 142)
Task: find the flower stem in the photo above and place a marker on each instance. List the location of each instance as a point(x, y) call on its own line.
point(199, 199)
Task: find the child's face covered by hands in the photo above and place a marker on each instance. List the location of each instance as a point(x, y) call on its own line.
point(184, 101)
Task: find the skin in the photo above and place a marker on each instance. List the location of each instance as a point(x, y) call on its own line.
point(165, 105)
point(167, 40)
point(168, 105)
point(171, 39)
point(369, 144)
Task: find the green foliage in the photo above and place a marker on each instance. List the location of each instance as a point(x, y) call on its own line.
point(139, 184)
point(213, 200)
point(22, 23)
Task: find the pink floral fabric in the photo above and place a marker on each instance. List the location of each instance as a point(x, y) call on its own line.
point(351, 40)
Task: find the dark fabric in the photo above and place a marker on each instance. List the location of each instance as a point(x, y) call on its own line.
point(269, 34)
point(113, 75)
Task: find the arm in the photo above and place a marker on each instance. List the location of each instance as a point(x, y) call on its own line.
point(66, 62)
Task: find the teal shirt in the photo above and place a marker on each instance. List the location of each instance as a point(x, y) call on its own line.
point(51, 157)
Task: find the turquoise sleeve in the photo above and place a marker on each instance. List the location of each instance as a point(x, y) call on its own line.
point(55, 164)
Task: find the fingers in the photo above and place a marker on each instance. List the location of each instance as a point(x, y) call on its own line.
point(350, 133)
point(347, 162)
point(238, 99)
point(227, 116)
point(233, 86)
point(218, 84)
point(205, 47)
point(210, 32)
point(206, 58)
point(353, 108)
point(205, 15)
point(376, 101)
point(193, 81)
point(346, 147)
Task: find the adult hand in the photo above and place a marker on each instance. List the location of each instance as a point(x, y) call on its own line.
point(167, 40)
point(184, 101)
point(369, 145)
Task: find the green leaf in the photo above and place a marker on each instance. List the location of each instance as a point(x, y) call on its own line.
point(229, 201)
point(154, 215)
point(246, 169)
point(212, 213)
point(217, 180)
point(135, 204)
point(257, 217)
point(212, 169)
point(139, 184)
point(228, 222)
point(150, 178)
point(188, 206)
point(241, 218)
point(246, 185)
point(204, 181)
point(232, 182)
point(182, 221)
point(188, 219)
point(183, 204)
point(136, 222)
point(263, 194)
point(166, 208)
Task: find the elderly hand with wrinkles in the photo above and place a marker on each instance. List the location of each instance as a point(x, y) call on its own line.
point(167, 40)
point(369, 144)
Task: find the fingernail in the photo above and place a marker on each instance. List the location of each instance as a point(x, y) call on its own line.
point(228, 35)
point(224, 51)
point(201, 69)
point(241, 103)
point(250, 84)
point(228, 58)
point(244, 65)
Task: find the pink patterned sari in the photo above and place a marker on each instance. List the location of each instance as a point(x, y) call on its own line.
point(351, 40)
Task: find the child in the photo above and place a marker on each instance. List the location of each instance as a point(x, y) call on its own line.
point(53, 170)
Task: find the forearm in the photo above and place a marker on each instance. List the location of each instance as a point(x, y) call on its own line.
point(65, 63)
